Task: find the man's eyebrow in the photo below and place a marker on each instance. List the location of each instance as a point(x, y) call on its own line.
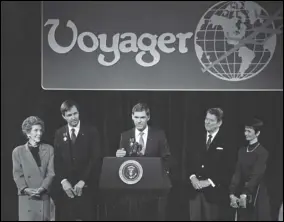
point(71, 113)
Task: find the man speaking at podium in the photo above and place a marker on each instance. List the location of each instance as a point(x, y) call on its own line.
point(143, 140)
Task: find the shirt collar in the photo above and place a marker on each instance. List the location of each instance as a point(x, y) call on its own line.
point(77, 128)
point(213, 134)
point(145, 131)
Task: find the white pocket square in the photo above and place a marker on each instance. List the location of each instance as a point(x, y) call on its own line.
point(219, 148)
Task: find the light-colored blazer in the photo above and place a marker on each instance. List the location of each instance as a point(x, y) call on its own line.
point(26, 173)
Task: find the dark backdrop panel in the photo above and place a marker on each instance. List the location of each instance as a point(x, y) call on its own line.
point(180, 114)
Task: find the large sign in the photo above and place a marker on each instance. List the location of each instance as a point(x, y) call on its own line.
point(162, 45)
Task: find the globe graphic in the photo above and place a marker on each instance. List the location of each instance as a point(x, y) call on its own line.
point(232, 42)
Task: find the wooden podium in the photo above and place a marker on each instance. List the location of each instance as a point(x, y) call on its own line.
point(126, 182)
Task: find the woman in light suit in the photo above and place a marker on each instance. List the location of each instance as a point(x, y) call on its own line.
point(33, 172)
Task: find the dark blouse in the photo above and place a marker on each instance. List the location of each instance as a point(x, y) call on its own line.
point(35, 153)
point(250, 169)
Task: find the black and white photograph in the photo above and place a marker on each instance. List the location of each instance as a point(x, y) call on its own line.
point(141, 111)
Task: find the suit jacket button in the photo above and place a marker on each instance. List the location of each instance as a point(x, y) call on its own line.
point(202, 166)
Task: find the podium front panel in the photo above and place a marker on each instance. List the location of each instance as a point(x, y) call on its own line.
point(154, 177)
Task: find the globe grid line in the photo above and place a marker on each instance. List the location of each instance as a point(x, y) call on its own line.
point(241, 42)
point(256, 39)
point(252, 71)
point(234, 63)
point(217, 55)
point(225, 51)
point(254, 45)
point(255, 63)
point(225, 48)
point(205, 51)
point(247, 42)
point(262, 43)
point(220, 30)
point(205, 45)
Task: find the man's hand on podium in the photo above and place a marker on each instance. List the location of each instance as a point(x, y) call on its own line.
point(120, 152)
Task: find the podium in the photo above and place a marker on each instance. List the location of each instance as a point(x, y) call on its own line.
point(133, 179)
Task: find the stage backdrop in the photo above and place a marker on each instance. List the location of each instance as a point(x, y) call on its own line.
point(178, 113)
point(161, 45)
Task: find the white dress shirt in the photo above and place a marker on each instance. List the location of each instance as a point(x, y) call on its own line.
point(145, 136)
point(77, 129)
point(213, 135)
point(207, 137)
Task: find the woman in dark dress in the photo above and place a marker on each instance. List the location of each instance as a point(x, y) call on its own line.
point(248, 192)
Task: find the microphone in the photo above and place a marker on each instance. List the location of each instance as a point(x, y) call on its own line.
point(135, 148)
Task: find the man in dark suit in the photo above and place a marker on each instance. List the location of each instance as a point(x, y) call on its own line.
point(153, 144)
point(77, 166)
point(209, 170)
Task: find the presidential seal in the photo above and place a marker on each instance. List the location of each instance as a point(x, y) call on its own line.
point(130, 172)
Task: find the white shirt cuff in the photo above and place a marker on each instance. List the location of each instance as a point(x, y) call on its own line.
point(193, 175)
point(82, 182)
point(62, 181)
point(243, 196)
point(211, 182)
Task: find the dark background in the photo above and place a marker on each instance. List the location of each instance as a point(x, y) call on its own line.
point(180, 114)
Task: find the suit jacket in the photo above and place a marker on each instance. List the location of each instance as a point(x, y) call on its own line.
point(26, 173)
point(81, 161)
point(216, 164)
point(156, 146)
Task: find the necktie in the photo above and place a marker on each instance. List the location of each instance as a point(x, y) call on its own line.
point(141, 140)
point(208, 141)
point(73, 136)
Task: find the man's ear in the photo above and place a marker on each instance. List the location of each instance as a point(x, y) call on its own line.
point(220, 123)
point(258, 133)
point(63, 116)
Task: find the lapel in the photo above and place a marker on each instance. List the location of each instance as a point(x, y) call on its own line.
point(131, 135)
point(66, 134)
point(204, 140)
point(31, 159)
point(42, 152)
point(65, 141)
point(214, 143)
point(149, 144)
point(81, 133)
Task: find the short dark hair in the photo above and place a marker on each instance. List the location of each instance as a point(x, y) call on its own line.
point(67, 105)
point(254, 123)
point(30, 122)
point(140, 107)
point(218, 112)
